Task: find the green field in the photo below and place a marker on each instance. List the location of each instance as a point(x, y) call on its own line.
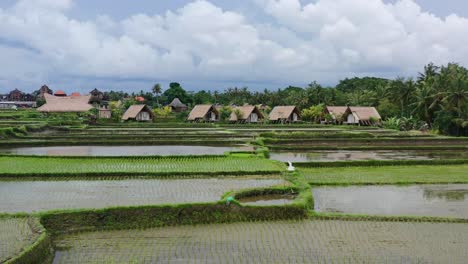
point(386, 175)
point(15, 235)
point(181, 209)
point(38, 166)
point(273, 242)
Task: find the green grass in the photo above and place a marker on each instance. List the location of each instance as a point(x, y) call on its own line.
point(46, 166)
point(386, 175)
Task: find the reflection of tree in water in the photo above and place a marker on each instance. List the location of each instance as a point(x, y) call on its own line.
point(449, 195)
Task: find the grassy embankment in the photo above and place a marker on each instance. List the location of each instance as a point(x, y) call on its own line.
point(417, 174)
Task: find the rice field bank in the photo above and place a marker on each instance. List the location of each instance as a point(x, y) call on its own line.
point(272, 242)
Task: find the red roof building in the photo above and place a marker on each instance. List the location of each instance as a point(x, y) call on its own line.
point(139, 99)
point(60, 93)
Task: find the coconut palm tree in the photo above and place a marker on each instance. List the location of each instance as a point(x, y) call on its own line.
point(157, 90)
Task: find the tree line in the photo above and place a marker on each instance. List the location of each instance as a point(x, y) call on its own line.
point(436, 99)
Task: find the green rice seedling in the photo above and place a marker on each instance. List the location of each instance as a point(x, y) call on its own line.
point(304, 241)
point(55, 166)
point(416, 174)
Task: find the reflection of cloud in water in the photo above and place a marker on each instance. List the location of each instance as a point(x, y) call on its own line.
point(343, 155)
point(419, 200)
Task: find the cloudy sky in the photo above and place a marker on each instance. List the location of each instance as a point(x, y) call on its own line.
point(119, 44)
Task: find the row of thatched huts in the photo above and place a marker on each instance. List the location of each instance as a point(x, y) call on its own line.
point(211, 113)
point(287, 114)
point(245, 114)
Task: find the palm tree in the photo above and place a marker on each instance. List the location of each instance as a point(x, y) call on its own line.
point(157, 90)
point(423, 101)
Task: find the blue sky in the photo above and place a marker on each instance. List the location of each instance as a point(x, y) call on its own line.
point(77, 45)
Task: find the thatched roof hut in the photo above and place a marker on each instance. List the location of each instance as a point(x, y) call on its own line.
point(249, 114)
point(362, 115)
point(336, 112)
point(65, 104)
point(206, 113)
point(285, 114)
point(138, 113)
point(177, 106)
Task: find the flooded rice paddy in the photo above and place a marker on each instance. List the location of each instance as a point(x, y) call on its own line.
point(268, 199)
point(345, 155)
point(415, 200)
point(15, 235)
point(305, 241)
point(32, 196)
point(119, 150)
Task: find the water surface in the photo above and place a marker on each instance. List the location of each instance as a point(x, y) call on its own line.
point(416, 200)
point(32, 196)
point(345, 155)
point(268, 199)
point(118, 150)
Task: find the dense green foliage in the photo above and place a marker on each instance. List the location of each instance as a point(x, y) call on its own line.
point(436, 99)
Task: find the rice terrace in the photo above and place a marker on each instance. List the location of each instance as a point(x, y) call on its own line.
point(258, 131)
point(220, 192)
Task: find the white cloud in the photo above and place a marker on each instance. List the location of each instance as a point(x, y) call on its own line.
point(324, 40)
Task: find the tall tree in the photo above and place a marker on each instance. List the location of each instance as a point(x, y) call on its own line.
point(157, 90)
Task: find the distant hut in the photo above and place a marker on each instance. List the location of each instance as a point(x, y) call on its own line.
point(65, 104)
point(75, 94)
point(104, 112)
point(365, 116)
point(96, 96)
point(15, 95)
point(177, 106)
point(43, 90)
point(204, 113)
point(336, 113)
point(140, 99)
point(285, 114)
point(246, 114)
point(60, 93)
point(138, 113)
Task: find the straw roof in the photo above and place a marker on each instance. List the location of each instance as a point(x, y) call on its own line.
point(282, 112)
point(365, 113)
point(336, 110)
point(200, 111)
point(177, 103)
point(246, 111)
point(65, 104)
point(134, 110)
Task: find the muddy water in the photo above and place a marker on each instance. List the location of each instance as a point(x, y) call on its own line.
point(117, 150)
point(32, 196)
point(415, 200)
point(270, 199)
point(343, 155)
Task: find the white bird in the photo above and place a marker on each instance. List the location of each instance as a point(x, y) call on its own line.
point(291, 167)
